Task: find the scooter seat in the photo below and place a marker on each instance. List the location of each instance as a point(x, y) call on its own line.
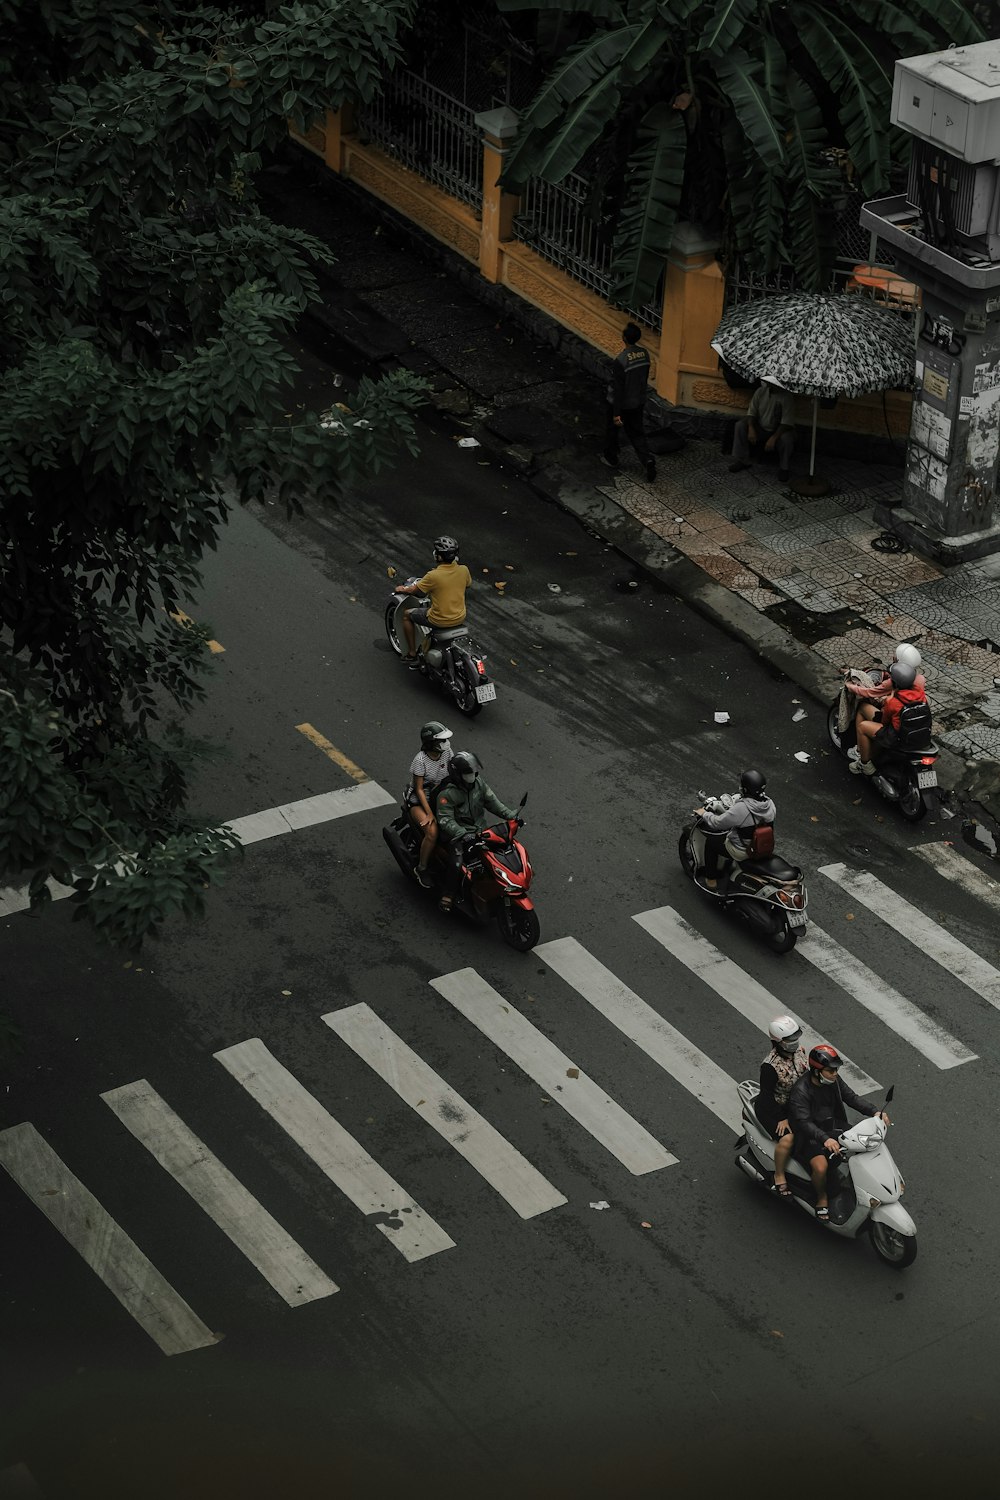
point(448, 633)
point(772, 868)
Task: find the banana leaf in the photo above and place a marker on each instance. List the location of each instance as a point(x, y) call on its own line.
point(736, 74)
point(652, 200)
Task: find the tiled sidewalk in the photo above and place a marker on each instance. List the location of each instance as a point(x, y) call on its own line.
point(812, 564)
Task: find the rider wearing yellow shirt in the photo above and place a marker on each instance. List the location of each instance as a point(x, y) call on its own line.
point(445, 586)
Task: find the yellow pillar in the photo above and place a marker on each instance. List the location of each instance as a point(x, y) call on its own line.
point(694, 294)
point(497, 218)
point(339, 125)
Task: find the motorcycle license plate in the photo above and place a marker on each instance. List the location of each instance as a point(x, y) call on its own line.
point(796, 919)
point(486, 692)
point(926, 778)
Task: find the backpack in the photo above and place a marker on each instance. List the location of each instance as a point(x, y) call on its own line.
point(762, 840)
point(914, 730)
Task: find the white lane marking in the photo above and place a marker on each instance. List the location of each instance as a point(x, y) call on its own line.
point(311, 810)
point(14, 898)
point(734, 984)
point(910, 922)
point(283, 1263)
point(252, 829)
point(561, 1079)
point(101, 1242)
point(334, 1150)
point(484, 1148)
point(954, 866)
point(692, 1069)
point(872, 991)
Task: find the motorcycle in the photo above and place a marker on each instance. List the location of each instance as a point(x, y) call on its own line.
point(905, 777)
point(863, 1183)
point(496, 875)
point(764, 890)
point(447, 655)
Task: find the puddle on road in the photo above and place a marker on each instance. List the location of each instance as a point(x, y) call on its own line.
point(979, 837)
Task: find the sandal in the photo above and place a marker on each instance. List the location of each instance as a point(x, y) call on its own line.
point(823, 1214)
point(445, 904)
point(782, 1189)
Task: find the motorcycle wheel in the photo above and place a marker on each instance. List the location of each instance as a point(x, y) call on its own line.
point(465, 697)
point(892, 1248)
point(390, 629)
point(519, 928)
point(399, 851)
point(686, 855)
point(782, 941)
point(832, 718)
point(912, 805)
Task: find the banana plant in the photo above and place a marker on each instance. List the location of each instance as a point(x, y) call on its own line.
point(727, 112)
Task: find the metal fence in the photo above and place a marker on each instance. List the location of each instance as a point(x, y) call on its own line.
point(855, 247)
point(429, 132)
point(554, 222)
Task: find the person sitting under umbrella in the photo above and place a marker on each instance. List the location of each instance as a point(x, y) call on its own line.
point(768, 424)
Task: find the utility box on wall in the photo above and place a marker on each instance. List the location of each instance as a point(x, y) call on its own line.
point(945, 234)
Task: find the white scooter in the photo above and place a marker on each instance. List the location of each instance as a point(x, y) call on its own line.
point(864, 1183)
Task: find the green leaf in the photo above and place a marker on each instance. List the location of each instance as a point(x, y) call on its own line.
point(726, 24)
point(862, 89)
point(652, 201)
point(737, 75)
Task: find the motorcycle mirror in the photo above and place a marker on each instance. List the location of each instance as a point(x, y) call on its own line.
point(888, 1097)
point(522, 802)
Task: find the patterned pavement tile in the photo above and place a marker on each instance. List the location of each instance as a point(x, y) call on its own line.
point(760, 598)
point(821, 601)
point(697, 546)
point(829, 574)
point(795, 584)
point(981, 739)
point(723, 569)
point(705, 518)
point(772, 566)
point(768, 526)
point(726, 533)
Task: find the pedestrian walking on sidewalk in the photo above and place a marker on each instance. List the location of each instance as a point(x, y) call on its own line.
point(768, 424)
point(627, 401)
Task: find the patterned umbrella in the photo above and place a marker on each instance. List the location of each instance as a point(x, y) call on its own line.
point(819, 344)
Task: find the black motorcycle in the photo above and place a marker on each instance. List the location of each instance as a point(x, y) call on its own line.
point(448, 656)
point(903, 775)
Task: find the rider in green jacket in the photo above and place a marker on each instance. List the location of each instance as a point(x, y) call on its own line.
point(462, 806)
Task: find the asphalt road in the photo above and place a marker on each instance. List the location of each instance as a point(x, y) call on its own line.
point(689, 1334)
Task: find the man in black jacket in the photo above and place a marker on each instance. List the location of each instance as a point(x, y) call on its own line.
point(627, 401)
point(817, 1116)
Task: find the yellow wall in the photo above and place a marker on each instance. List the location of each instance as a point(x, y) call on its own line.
point(685, 368)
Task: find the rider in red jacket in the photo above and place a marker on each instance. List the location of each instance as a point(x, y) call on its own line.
point(872, 720)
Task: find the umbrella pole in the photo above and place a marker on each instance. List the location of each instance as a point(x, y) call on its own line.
point(809, 485)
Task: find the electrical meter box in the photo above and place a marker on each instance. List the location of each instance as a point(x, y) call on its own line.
point(951, 99)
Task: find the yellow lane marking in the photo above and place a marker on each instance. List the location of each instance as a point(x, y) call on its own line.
point(183, 619)
point(322, 743)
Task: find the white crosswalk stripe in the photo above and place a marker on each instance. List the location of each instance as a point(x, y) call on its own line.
point(101, 1242)
point(734, 984)
point(872, 991)
point(931, 939)
point(553, 1071)
point(955, 867)
point(474, 1138)
point(335, 1151)
point(277, 1257)
point(644, 1026)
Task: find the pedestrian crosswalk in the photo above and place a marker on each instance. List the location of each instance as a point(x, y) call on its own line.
point(254, 1079)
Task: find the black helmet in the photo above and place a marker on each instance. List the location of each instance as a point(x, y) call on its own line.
point(465, 766)
point(446, 549)
point(825, 1056)
point(433, 733)
point(903, 676)
point(753, 783)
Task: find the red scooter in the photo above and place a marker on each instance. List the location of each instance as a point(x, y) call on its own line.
point(496, 875)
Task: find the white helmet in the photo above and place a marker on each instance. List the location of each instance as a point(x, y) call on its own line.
point(908, 655)
point(786, 1034)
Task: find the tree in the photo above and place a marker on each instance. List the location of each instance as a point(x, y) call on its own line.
point(731, 113)
point(143, 303)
